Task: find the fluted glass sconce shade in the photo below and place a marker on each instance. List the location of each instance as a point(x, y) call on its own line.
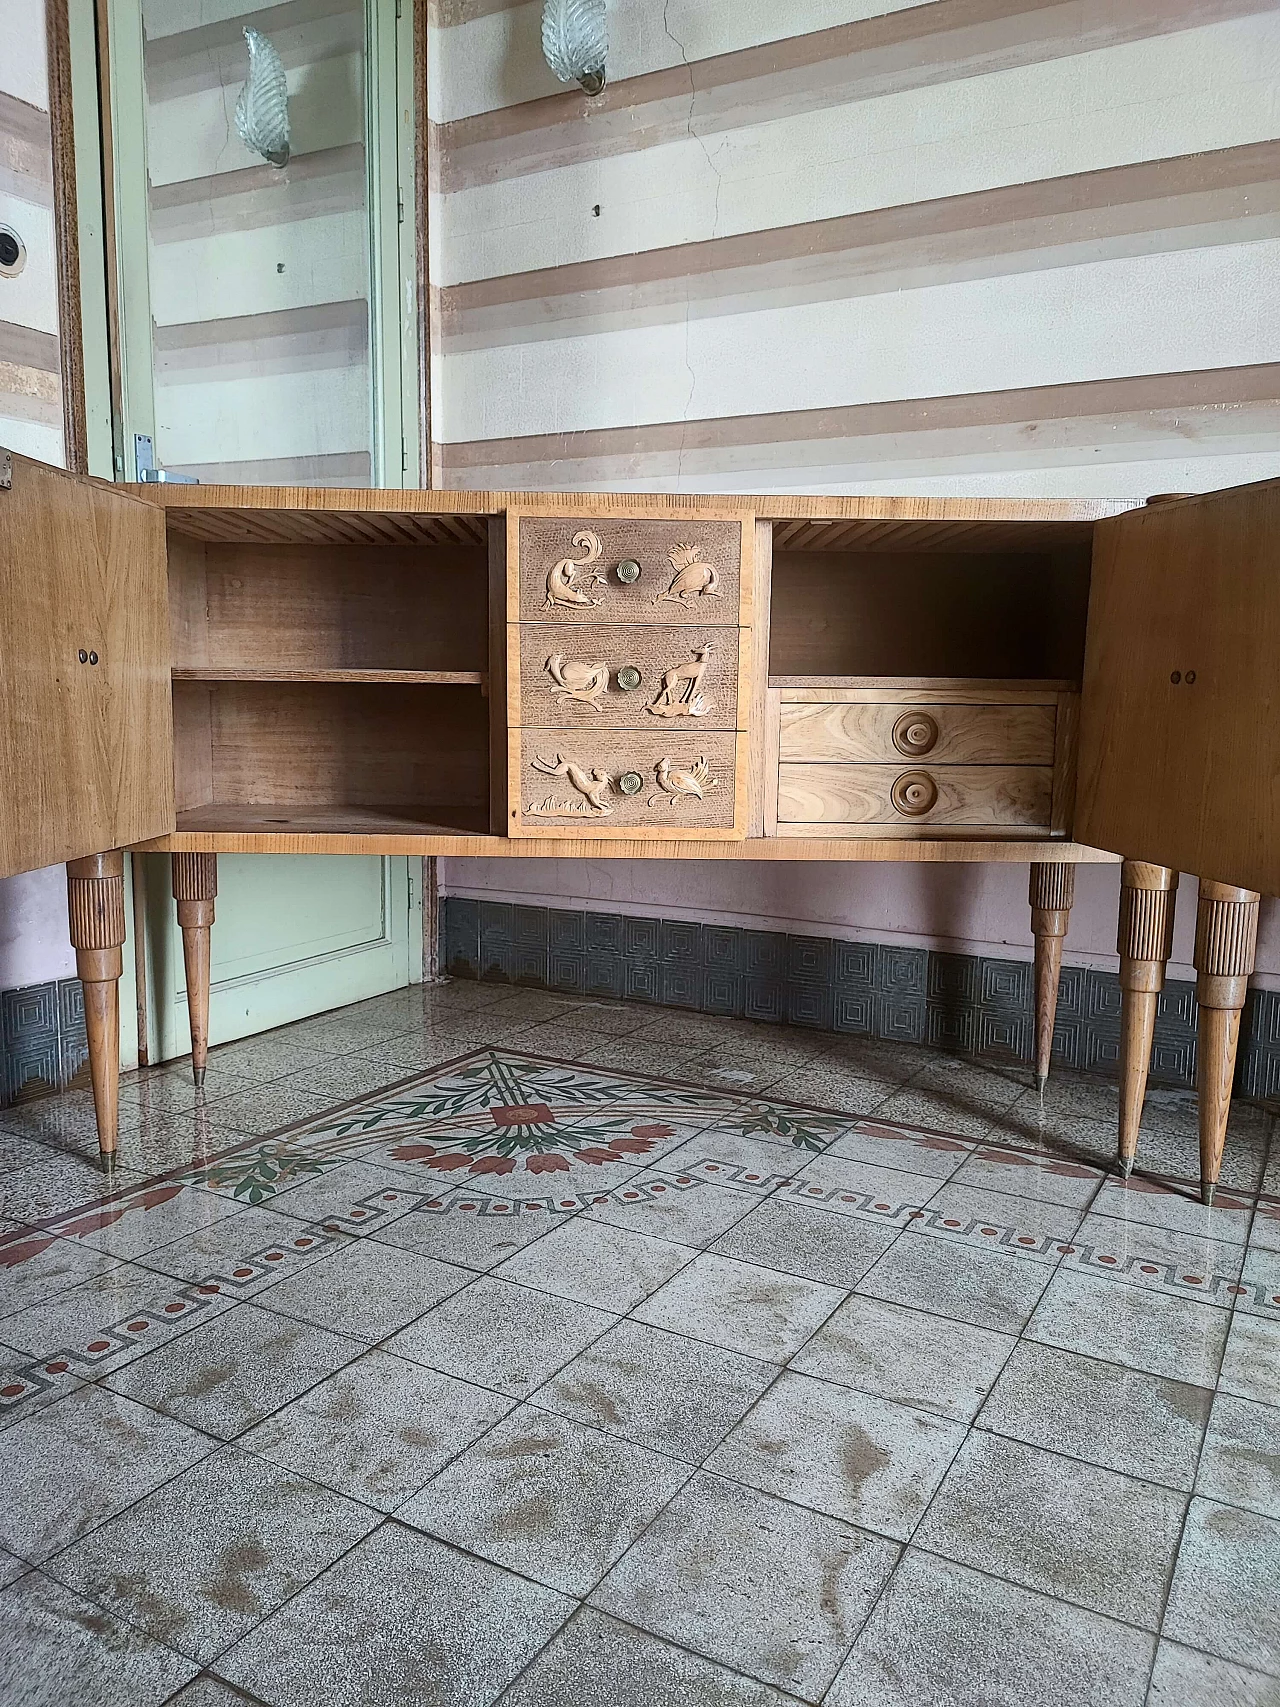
point(262, 112)
point(575, 38)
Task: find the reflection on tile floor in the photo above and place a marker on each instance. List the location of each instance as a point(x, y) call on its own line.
point(577, 1355)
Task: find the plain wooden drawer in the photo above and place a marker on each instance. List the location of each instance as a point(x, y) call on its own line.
point(690, 570)
point(635, 782)
point(930, 733)
point(994, 796)
point(572, 678)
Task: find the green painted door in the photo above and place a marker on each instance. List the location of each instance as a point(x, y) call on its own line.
point(263, 332)
point(294, 935)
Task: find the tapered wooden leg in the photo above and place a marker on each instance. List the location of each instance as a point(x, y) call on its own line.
point(195, 885)
point(1053, 889)
point(95, 907)
point(1144, 941)
point(1226, 938)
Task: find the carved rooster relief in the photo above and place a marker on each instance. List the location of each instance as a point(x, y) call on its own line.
point(694, 579)
point(691, 784)
point(561, 575)
point(575, 680)
point(681, 694)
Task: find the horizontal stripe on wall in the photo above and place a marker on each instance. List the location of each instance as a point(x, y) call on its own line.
point(327, 180)
point(26, 151)
point(303, 32)
point(291, 340)
point(1228, 195)
point(23, 346)
point(335, 468)
point(29, 394)
point(910, 48)
point(1129, 418)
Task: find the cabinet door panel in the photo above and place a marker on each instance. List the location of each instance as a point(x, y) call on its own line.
point(86, 749)
point(1180, 715)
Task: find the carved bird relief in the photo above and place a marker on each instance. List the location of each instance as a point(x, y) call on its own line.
point(560, 577)
point(591, 785)
point(681, 694)
point(694, 579)
point(691, 784)
point(575, 680)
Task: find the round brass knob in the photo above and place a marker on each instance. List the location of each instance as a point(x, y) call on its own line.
point(915, 733)
point(628, 570)
point(628, 678)
point(631, 782)
point(914, 793)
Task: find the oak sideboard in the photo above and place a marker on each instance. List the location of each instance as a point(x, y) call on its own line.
point(201, 670)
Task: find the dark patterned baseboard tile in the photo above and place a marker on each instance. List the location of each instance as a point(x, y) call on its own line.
point(42, 1039)
point(967, 1004)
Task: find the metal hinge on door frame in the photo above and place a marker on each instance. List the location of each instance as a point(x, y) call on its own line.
point(6, 470)
point(144, 457)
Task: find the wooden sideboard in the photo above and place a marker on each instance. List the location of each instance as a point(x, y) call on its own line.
point(221, 669)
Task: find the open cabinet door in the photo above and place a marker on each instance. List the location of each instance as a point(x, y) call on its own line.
point(86, 733)
point(1180, 716)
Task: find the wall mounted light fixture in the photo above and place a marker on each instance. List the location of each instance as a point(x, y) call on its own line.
point(262, 112)
point(13, 252)
point(575, 39)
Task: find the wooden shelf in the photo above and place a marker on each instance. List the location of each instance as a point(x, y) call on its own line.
point(437, 678)
point(291, 819)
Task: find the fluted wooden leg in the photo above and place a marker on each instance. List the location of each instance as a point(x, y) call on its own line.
point(1053, 889)
point(1144, 941)
point(195, 885)
point(95, 907)
point(1226, 938)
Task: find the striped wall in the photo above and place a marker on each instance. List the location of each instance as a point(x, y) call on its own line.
point(30, 387)
point(1025, 248)
point(259, 277)
point(1016, 247)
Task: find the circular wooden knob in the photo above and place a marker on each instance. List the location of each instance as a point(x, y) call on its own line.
point(914, 733)
point(628, 570)
point(914, 793)
point(628, 678)
point(631, 782)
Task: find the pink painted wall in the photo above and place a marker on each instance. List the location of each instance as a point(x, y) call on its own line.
point(968, 909)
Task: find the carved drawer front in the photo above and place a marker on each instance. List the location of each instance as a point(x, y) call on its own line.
point(908, 796)
point(933, 733)
point(633, 569)
point(619, 676)
point(663, 783)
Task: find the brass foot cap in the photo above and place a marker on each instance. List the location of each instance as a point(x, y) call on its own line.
point(1042, 1079)
point(1125, 1166)
point(1207, 1188)
point(197, 1073)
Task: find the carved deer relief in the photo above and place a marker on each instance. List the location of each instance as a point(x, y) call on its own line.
point(681, 692)
point(561, 576)
point(574, 680)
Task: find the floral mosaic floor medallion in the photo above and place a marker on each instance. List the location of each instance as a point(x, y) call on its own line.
point(501, 1133)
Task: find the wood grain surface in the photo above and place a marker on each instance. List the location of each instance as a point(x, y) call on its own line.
point(966, 734)
point(605, 649)
point(545, 804)
point(543, 541)
point(86, 749)
point(996, 796)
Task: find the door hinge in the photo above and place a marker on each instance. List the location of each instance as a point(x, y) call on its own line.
point(6, 469)
point(145, 461)
point(400, 209)
point(399, 7)
point(411, 894)
point(404, 454)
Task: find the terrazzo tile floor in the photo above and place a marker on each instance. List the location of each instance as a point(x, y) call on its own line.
point(478, 1346)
